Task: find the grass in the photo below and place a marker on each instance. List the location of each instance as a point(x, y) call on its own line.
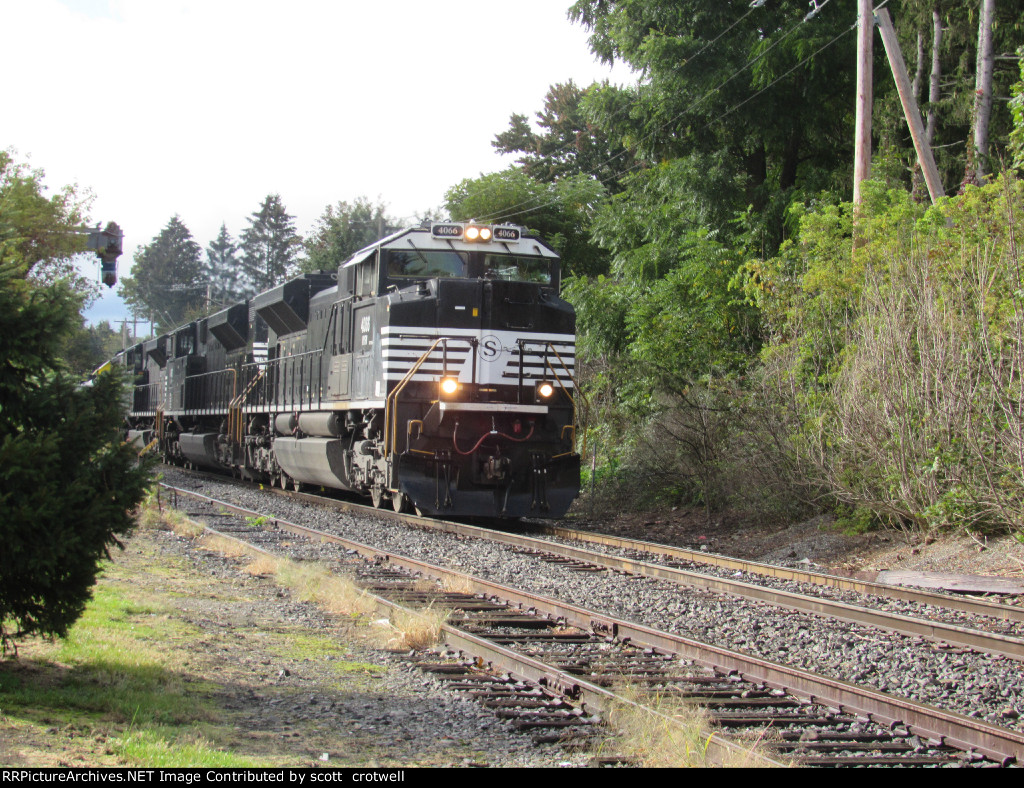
point(667, 732)
point(127, 688)
point(111, 666)
point(168, 747)
point(116, 679)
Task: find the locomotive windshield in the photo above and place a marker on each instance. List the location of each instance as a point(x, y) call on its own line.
point(427, 263)
point(447, 264)
point(516, 268)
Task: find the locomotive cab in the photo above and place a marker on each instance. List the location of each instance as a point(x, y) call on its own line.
point(469, 330)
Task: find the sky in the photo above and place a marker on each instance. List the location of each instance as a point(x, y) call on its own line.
point(202, 108)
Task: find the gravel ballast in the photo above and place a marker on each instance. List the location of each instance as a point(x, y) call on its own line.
point(978, 685)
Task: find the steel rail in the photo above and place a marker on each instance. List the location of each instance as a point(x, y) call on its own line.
point(979, 607)
point(895, 622)
point(502, 659)
point(1001, 744)
point(986, 642)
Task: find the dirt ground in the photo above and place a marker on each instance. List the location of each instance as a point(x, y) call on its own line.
point(818, 543)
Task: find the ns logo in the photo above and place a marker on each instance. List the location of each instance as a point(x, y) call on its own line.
point(489, 348)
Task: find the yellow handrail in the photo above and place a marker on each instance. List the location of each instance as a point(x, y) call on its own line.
point(391, 403)
point(572, 400)
point(235, 408)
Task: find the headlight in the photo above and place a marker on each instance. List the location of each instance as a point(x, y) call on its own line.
point(545, 390)
point(478, 233)
point(449, 386)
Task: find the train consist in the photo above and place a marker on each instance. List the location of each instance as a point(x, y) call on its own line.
point(434, 370)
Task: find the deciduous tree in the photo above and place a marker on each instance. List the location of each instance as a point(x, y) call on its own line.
point(560, 211)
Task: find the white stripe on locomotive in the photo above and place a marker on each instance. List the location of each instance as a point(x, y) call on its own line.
point(402, 346)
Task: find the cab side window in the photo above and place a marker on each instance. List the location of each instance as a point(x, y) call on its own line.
point(366, 278)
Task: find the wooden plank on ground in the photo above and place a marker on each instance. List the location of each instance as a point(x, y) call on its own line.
point(949, 581)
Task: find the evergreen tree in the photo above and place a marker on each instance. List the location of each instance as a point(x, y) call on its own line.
point(68, 483)
point(223, 269)
point(270, 245)
point(343, 229)
point(167, 281)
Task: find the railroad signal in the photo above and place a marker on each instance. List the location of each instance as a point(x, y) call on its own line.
point(107, 244)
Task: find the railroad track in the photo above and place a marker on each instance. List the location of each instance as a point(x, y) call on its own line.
point(813, 719)
point(994, 628)
point(686, 558)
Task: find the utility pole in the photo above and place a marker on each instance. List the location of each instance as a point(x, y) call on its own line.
point(910, 109)
point(862, 134)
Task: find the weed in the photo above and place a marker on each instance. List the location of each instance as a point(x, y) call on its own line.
point(662, 731)
point(416, 629)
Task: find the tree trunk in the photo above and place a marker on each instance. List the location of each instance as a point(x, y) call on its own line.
point(983, 87)
point(933, 88)
point(919, 71)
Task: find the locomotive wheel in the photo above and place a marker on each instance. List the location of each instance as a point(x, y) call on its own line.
point(377, 496)
point(400, 502)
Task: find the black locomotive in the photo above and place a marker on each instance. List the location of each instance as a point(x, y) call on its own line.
point(434, 370)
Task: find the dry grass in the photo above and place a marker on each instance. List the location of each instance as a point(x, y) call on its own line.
point(458, 585)
point(262, 566)
point(413, 629)
point(155, 514)
point(336, 594)
point(666, 732)
point(314, 583)
point(340, 596)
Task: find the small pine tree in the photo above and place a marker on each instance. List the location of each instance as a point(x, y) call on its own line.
point(68, 483)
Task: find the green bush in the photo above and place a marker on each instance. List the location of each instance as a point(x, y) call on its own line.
point(900, 357)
